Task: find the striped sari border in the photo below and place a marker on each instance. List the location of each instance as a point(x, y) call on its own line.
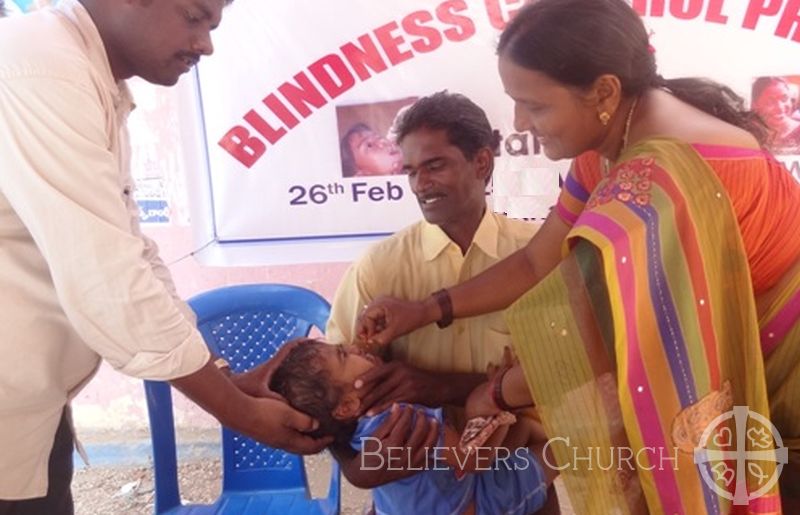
point(644, 404)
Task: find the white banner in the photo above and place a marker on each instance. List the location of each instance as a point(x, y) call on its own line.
point(299, 98)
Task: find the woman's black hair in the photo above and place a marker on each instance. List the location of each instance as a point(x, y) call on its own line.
point(577, 41)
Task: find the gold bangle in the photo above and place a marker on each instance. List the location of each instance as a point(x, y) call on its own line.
point(222, 363)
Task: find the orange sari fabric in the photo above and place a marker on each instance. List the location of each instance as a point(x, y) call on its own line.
point(765, 198)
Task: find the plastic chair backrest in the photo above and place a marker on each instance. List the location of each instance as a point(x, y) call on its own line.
point(246, 325)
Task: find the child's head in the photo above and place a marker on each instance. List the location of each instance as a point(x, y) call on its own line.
point(317, 378)
point(365, 152)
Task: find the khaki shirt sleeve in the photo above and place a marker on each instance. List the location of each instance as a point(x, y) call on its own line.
point(64, 184)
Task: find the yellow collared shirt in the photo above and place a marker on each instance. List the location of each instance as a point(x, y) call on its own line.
point(414, 263)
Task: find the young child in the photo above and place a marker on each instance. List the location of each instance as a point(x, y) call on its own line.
point(317, 378)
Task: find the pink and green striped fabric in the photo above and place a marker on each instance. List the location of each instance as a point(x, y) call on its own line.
point(644, 335)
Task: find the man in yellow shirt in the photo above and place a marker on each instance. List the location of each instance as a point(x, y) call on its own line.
point(448, 154)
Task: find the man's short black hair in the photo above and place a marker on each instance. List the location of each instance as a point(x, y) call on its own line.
point(466, 123)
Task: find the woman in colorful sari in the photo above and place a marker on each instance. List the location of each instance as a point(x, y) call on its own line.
point(655, 313)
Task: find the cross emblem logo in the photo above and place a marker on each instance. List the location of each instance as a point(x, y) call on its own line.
point(754, 440)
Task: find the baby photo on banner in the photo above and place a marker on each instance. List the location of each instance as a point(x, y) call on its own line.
point(367, 143)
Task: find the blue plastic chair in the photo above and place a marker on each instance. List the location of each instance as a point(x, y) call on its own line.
point(245, 325)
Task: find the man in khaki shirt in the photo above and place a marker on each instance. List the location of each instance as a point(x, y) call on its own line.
point(78, 280)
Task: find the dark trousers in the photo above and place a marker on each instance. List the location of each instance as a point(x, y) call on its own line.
point(58, 500)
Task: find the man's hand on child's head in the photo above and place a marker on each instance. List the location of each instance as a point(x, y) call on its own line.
point(288, 425)
point(279, 425)
point(256, 381)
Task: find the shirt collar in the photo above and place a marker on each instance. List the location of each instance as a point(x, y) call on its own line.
point(77, 14)
point(435, 241)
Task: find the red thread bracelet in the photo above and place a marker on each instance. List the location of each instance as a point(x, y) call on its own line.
point(497, 390)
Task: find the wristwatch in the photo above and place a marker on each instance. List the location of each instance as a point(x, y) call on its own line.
point(445, 303)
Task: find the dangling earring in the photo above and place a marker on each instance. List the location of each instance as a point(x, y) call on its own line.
point(604, 118)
